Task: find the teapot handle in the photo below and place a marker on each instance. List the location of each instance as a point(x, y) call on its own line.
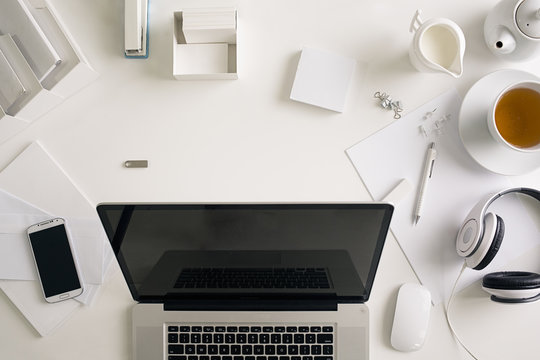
point(416, 21)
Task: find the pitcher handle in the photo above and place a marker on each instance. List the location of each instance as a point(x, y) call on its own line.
point(416, 21)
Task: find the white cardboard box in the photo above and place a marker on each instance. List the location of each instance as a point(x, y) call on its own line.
point(196, 62)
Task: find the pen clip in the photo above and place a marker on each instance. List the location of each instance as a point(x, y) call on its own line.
point(431, 167)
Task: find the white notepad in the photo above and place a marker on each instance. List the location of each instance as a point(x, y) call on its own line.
point(322, 79)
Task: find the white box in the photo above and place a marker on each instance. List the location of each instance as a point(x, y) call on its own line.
point(322, 79)
point(201, 61)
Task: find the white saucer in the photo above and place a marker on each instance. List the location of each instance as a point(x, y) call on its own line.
point(473, 129)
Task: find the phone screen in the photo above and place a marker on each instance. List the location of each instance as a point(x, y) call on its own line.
point(54, 261)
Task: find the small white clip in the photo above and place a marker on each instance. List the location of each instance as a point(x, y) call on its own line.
point(423, 131)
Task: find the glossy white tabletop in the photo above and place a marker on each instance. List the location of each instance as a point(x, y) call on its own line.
point(245, 140)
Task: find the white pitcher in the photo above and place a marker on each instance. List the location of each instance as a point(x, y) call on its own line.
point(438, 45)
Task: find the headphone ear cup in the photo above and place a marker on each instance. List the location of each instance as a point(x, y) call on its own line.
point(494, 237)
point(512, 286)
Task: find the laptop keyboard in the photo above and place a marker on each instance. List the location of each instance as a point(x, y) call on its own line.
point(253, 278)
point(242, 342)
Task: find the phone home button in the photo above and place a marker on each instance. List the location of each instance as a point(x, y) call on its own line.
point(64, 296)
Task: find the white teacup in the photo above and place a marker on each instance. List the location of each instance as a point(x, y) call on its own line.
point(514, 117)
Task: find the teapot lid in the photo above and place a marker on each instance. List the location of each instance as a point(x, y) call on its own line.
point(528, 18)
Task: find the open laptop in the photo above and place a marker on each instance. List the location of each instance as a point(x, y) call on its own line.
point(249, 281)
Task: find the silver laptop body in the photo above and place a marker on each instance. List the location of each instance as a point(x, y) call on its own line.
point(217, 270)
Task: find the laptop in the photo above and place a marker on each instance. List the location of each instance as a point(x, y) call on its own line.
point(249, 281)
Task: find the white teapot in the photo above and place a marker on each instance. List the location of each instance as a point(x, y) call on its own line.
point(512, 29)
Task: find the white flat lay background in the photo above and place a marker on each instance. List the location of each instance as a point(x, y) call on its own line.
point(245, 140)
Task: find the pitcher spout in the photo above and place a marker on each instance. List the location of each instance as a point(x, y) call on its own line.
point(456, 67)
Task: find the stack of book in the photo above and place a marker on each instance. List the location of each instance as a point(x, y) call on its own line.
point(40, 64)
point(205, 44)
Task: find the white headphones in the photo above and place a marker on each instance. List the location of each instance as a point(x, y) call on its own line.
point(479, 240)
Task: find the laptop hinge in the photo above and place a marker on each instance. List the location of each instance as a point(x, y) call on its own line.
point(252, 303)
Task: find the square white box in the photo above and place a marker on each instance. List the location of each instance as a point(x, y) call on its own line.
point(322, 79)
point(199, 61)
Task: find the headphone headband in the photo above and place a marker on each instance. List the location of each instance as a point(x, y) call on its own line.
point(472, 231)
point(522, 190)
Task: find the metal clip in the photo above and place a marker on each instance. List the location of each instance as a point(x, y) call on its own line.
point(387, 103)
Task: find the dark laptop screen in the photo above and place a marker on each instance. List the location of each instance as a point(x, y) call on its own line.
point(178, 249)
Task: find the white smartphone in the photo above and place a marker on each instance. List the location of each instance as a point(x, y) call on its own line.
point(56, 263)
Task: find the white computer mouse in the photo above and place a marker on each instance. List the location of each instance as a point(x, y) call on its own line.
point(411, 319)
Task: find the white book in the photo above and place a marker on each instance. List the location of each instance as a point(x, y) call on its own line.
point(15, 19)
point(11, 88)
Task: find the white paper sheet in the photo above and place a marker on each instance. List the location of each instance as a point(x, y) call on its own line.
point(16, 216)
point(10, 126)
point(52, 192)
point(44, 317)
point(398, 152)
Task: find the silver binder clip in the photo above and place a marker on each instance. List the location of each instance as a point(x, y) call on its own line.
point(389, 104)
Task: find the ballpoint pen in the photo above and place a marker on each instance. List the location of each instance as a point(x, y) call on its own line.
point(431, 154)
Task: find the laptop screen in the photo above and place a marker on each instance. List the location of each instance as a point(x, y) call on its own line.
point(175, 250)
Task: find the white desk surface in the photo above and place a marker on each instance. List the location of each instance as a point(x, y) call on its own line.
point(244, 140)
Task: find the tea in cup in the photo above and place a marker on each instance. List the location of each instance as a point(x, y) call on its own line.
point(514, 118)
